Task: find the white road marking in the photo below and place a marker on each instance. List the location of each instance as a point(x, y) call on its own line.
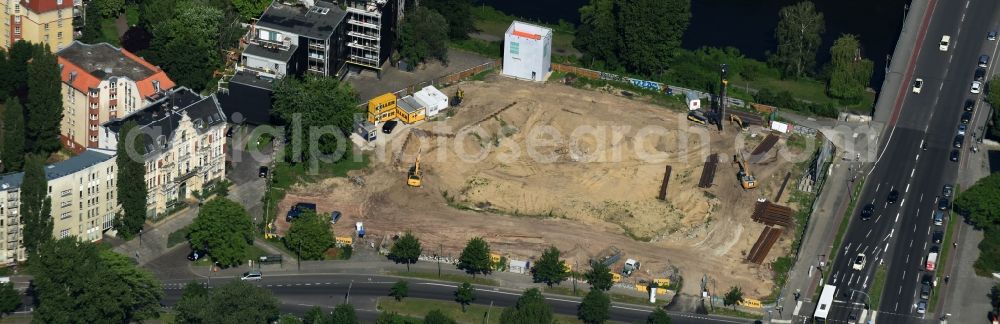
point(878, 218)
point(869, 233)
point(914, 228)
point(921, 197)
point(877, 186)
point(907, 259)
point(908, 185)
point(896, 221)
point(911, 243)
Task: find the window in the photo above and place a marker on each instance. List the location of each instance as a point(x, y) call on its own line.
point(65, 215)
point(59, 34)
point(46, 27)
point(17, 19)
point(65, 204)
point(17, 30)
point(66, 192)
point(64, 233)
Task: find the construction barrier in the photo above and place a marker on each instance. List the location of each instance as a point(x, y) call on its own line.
point(495, 258)
point(645, 289)
point(752, 303)
point(616, 278)
point(344, 240)
point(663, 282)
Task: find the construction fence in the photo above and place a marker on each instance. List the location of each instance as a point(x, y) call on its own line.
point(444, 81)
point(644, 84)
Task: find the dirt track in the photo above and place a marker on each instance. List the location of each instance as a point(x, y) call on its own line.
point(591, 192)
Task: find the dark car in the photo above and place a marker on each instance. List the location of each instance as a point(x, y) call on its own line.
point(954, 156)
point(389, 126)
point(927, 279)
point(893, 196)
point(335, 216)
point(944, 203)
point(937, 237)
point(966, 117)
point(947, 190)
point(195, 255)
point(935, 249)
point(958, 141)
point(867, 212)
point(298, 209)
point(984, 60)
point(262, 172)
point(980, 74)
point(969, 105)
point(992, 35)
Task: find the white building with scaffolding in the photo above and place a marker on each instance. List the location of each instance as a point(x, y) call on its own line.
point(371, 29)
point(295, 37)
point(527, 51)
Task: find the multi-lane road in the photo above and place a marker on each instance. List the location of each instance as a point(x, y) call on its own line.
point(298, 293)
point(898, 236)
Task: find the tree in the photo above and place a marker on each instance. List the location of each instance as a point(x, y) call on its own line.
point(406, 250)
point(529, 309)
point(981, 202)
point(599, 277)
point(437, 317)
point(850, 72)
point(799, 34)
point(143, 292)
point(390, 318)
point(76, 283)
point(597, 36)
point(309, 235)
point(5, 77)
point(289, 319)
point(186, 42)
point(315, 315)
point(192, 307)
point(13, 136)
point(233, 302)
point(733, 297)
point(108, 8)
point(152, 11)
point(250, 9)
point(549, 268)
point(458, 13)
point(224, 229)
point(651, 31)
point(35, 205)
point(131, 184)
point(399, 290)
point(423, 35)
point(344, 313)
point(595, 307)
point(18, 57)
point(993, 97)
point(658, 316)
point(10, 299)
point(995, 297)
point(44, 101)
point(465, 295)
point(475, 257)
point(317, 102)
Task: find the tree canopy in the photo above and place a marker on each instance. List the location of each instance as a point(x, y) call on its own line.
point(131, 181)
point(344, 313)
point(549, 268)
point(981, 202)
point(13, 136)
point(599, 277)
point(309, 236)
point(224, 229)
point(76, 283)
point(45, 105)
point(108, 8)
point(406, 250)
point(399, 290)
point(465, 295)
point(36, 206)
point(849, 72)
point(993, 97)
point(799, 35)
point(595, 307)
point(733, 297)
point(235, 301)
point(314, 103)
point(186, 41)
point(458, 14)
point(390, 318)
point(437, 317)
point(640, 36)
point(529, 309)
point(658, 316)
point(475, 258)
point(423, 36)
point(250, 9)
point(10, 299)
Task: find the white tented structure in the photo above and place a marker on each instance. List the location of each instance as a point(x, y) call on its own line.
point(527, 51)
point(433, 99)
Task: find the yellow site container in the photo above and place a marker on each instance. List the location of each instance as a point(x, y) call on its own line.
point(663, 283)
point(344, 240)
point(382, 108)
point(616, 278)
point(568, 267)
point(495, 258)
point(409, 110)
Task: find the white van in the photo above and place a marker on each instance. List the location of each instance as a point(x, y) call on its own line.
point(945, 40)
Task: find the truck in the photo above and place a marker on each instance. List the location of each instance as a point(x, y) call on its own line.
point(631, 265)
point(931, 261)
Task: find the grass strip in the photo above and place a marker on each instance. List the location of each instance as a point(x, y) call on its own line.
point(474, 313)
point(446, 277)
point(878, 285)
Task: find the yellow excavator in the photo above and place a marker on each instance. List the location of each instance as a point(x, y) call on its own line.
point(746, 178)
point(459, 96)
point(738, 121)
point(413, 179)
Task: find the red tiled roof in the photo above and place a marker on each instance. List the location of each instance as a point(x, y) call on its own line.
point(42, 6)
point(146, 86)
point(83, 81)
point(526, 34)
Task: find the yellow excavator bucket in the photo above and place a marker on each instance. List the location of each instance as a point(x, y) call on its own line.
point(413, 179)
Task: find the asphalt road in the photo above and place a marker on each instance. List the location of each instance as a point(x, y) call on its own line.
point(898, 235)
point(298, 293)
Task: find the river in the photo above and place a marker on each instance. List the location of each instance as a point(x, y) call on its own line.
point(749, 24)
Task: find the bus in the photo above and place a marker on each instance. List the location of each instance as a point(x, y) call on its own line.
point(825, 303)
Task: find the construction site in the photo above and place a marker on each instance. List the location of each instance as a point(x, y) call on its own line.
point(687, 200)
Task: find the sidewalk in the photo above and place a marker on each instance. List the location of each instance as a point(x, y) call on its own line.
point(152, 243)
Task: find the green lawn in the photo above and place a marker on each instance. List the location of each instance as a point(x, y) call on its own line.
point(179, 236)
point(842, 229)
point(808, 90)
point(878, 285)
point(726, 311)
point(109, 33)
point(479, 280)
point(132, 14)
point(475, 313)
point(949, 237)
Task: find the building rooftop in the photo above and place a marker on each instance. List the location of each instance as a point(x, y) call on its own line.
point(162, 117)
point(318, 21)
point(409, 104)
point(42, 6)
point(84, 66)
point(60, 169)
point(527, 30)
point(274, 54)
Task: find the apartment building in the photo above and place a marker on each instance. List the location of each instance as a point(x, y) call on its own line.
point(84, 201)
point(101, 83)
point(293, 37)
point(37, 21)
point(183, 134)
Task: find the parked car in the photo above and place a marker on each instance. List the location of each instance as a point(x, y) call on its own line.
point(859, 262)
point(917, 85)
point(937, 237)
point(944, 203)
point(251, 276)
point(927, 279)
point(962, 128)
point(893, 196)
point(969, 105)
point(196, 255)
point(262, 172)
point(947, 190)
point(335, 216)
point(984, 60)
point(925, 292)
point(966, 117)
point(954, 156)
point(943, 45)
point(992, 35)
point(977, 87)
point(980, 74)
point(389, 126)
point(958, 141)
point(867, 212)
point(298, 209)
point(922, 307)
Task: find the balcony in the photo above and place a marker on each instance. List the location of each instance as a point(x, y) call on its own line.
point(273, 45)
point(362, 47)
point(365, 24)
point(267, 73)
point(188, 175)
point(362, 35)
point(317, 46)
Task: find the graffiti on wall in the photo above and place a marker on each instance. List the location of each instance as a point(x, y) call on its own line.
point(645, 84)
